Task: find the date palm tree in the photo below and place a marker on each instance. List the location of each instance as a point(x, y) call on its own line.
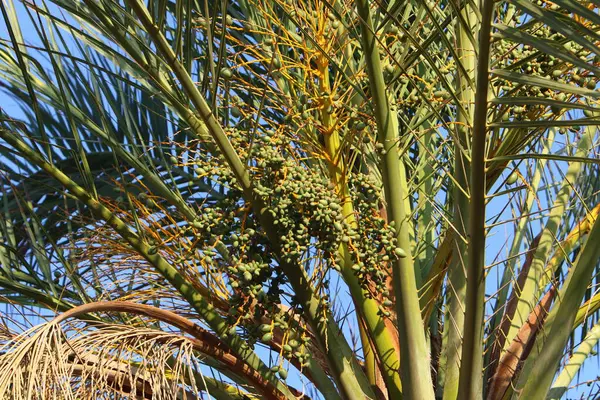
point(277, 199)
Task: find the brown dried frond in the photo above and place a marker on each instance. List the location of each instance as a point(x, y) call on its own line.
point(52, 361)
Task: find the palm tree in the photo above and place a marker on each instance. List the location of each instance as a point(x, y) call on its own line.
point(279, 199)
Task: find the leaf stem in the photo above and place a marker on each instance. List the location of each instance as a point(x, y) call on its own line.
point(415, 371)
point(471, 381)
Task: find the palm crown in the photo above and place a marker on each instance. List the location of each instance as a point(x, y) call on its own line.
point(274, 199)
